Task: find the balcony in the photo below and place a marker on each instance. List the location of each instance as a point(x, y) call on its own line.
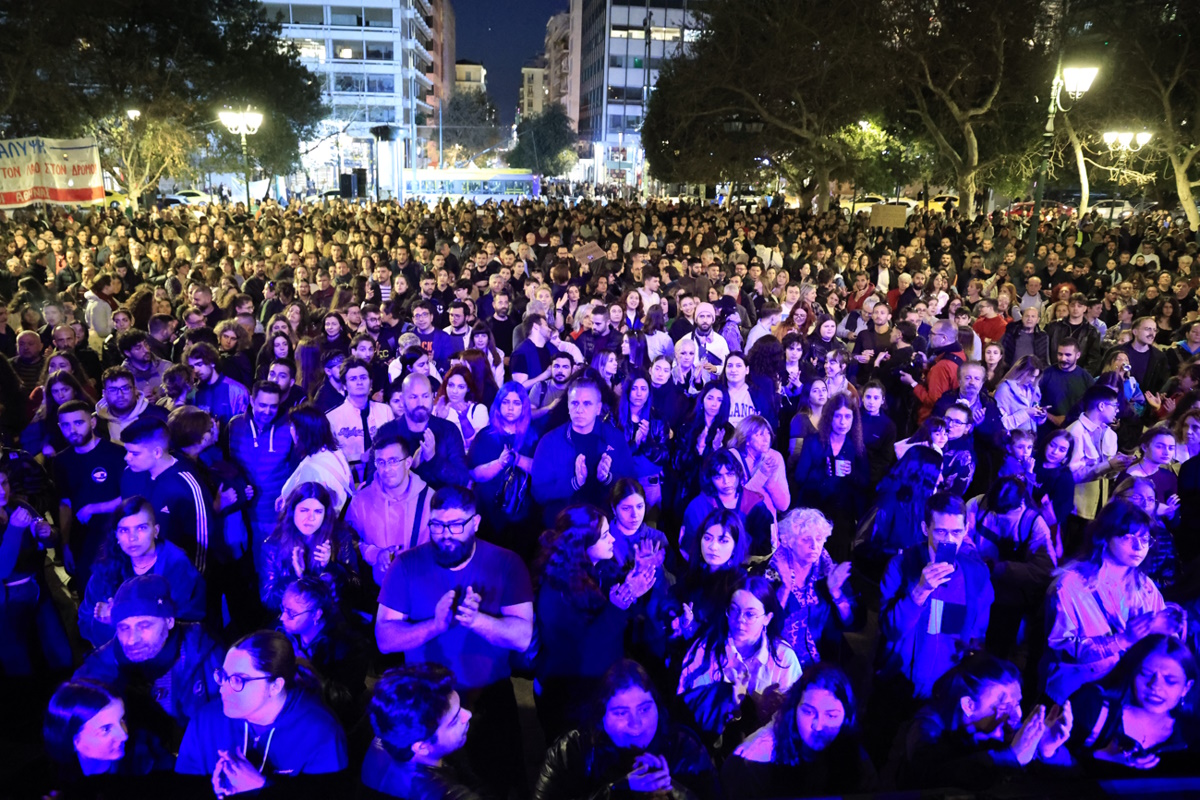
point(424, 5)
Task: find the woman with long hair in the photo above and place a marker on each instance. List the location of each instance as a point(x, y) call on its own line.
point(334, 335)
point(501, 462)
point(705, 431)
point(308, 540)
point(735, 674)
point(309, 373)
point(583, 602)
point(995, 367)
point(894, 522)
point(832, 472)
point(459, 401)
point(1100, 606)
point(627, 740)
point(972, 733)
point(631, 306)
point(819, 344)
point(42, 434)
point(658, 342)
point(811, 748)
point(646, 432)
point(722, 485)
point(484, 341)
point(320, 459)
point(807, 418)
point(277, 345)
point(607, 363)
point(1141, 717)
point(1019, 396)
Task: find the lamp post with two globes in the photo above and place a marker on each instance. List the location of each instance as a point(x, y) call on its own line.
point(243, 123)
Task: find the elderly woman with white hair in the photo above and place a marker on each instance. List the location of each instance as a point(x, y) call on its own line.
point(814, 592)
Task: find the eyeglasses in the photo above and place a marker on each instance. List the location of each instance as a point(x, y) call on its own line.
point(389, 463)
point(747, 615)
point(294, 615)
point(453, 527)
point(956, 423)
point(1144, 538)
point(236, 682)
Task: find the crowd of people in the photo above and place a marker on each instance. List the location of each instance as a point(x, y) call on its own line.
point(764, 503)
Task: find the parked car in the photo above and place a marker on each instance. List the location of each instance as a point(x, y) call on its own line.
point(1023, 210)
point(863, 202)
point(190, 197)
point(938, 202)
point(1113, 209)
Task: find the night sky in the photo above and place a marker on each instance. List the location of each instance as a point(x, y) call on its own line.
point(502, 35)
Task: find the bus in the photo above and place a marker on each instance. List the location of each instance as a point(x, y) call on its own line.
point(478, 185)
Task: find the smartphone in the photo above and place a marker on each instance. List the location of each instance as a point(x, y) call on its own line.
point(947, 553)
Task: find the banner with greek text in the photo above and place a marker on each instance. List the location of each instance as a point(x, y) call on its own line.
point(59, 171)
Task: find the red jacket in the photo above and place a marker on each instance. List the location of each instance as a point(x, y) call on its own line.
point(941, 378)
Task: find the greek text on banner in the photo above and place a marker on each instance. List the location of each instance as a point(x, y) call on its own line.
point(59, 171)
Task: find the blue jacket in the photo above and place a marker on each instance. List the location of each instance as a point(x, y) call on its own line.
point(554, 468)
point(908, 649)
point(266, 457)
point(305, 739)
point(187, 592)
point(191, 671)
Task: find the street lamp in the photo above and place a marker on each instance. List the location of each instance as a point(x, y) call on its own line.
point(243, 123)
point(1074, 81)
point(1121, 144)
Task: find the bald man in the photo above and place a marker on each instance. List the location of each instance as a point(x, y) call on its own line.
point(30, 359)
point(439, 456)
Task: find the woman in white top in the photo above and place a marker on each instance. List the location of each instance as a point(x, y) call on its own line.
point(323, 461)
point(1019, 396)
point(458, 401)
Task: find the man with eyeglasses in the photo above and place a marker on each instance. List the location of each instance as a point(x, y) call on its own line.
point(1094, 456)
point(122, 403)
point(163, 668)
point(468, 605)
point(389, 514)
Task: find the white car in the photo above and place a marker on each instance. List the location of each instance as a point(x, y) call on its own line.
point(191, 197)
point(1113, 209)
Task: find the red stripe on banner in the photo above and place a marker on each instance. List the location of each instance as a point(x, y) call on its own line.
point(49, 194)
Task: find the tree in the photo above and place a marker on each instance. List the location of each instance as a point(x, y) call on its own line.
point(176, 63)
point(545, 143)
point(470, 125)
point(971, 72)
point(1156, 54)
point(768, 81)
point(139, 152)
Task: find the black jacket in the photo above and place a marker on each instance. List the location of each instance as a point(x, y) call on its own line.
point(1041, 343)
point(586, 765)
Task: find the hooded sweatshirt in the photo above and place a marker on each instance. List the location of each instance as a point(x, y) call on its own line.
point(304, 739)
point(116, 423)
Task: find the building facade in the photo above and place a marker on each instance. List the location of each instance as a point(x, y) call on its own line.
point(469, 76)
point(562, 64)
point(622, 46)
point(531, 96)
point(377, 62)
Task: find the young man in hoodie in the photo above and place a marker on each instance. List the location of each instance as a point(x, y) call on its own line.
point(122, 403)
point(264, 730)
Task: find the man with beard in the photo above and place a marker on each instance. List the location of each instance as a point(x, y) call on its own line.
point(467, 605)
point(711, 349)
point(282, 373)
point(545, 393)
point(162, 668)
point(601, 337)
point(147, 368)
point(122, 403)
point(217, 394)
point(88, 477)
point(439, 455)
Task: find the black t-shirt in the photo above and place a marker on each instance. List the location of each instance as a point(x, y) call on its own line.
point(92, 477)
point(502, 332)
point(530, 359)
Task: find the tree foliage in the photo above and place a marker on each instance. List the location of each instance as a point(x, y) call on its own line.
point(176, 63)
point(470, 125)
point(545, 143)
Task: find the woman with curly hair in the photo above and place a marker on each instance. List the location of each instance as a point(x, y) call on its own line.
point(308, 540)
point(277, 345)
point(582, 608)
point(42, 434)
